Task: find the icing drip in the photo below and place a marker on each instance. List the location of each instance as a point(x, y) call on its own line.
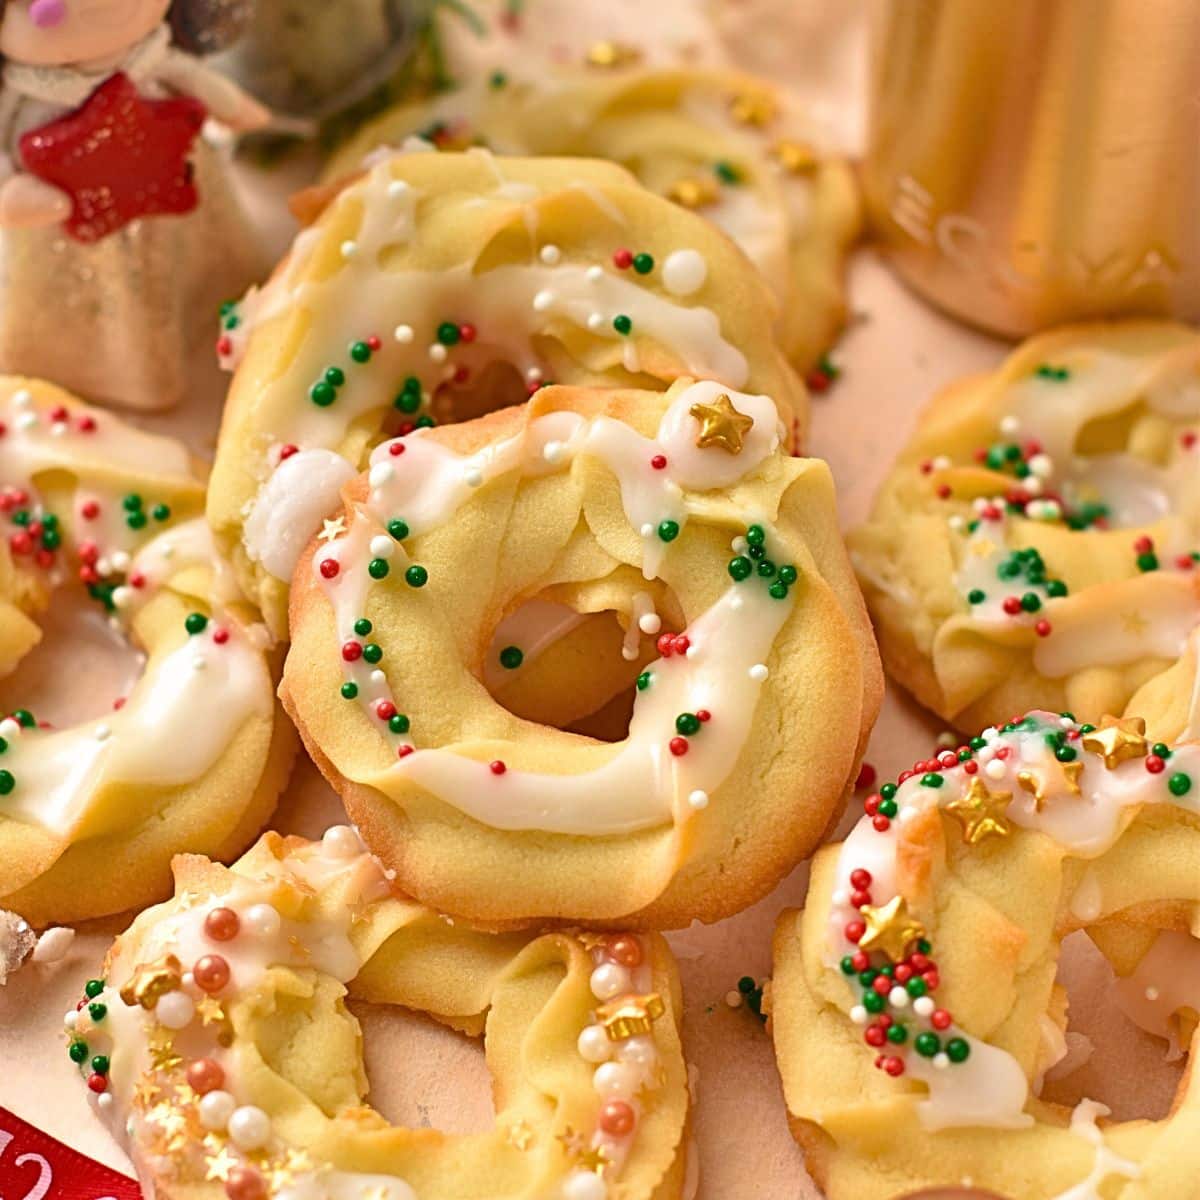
point(224, 946)
point(1036, 778)
point(1105, 1163)
point(192, 699)
point(643, 783)
point(1165, 984)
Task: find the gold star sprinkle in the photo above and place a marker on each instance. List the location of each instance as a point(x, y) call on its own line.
point(721, 425)
point(611, 54)
point(753, 107)
point(332, 529)
point(693, 192)
point(1033, 783)
point(168, 1118)
point(163, 1056)
point(1071, 773)
point(209, 1010)
point(797, 158)
point(151, 981)
point(981, 547)
point(593, 1158)
point(980, 812)
point(519, 1135)
point(571, 1141)
point(890, 929)
point(1118, 740)
point(146, 1092)
point(629, 1016)
point(219, 1165)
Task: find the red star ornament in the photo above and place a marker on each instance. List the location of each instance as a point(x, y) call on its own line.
point(118, 156)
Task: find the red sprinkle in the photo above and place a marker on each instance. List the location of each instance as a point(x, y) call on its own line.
point(1154, 764)
point(658, 462)
point(702, 714)
point(97, 1083)
point(385, 710)
point(622, 259)
point(224, 345)
point(497, 767)
point(351, 651)
point(860, 878)
point(678, 746)
point(1012, 605)
point(1043, 628)
point(940, 1019)
point(882, 824)
point(396, 449)
point(329, 568)
point(893, 1066)
point(404, 751)
point(220, 636)
point(1185, 562)
point(943, 491)
point(286, 452)
point(1143, 545)
point(866, 777)
point(467, 333)
point(89, 510)
point(1189, 438)
point(875, 1036)
point(375, 344)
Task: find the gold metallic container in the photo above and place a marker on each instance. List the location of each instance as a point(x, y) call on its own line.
point(1036, 161)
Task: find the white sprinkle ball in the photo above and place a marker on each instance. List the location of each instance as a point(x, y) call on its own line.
point(550, 254)
point(382, 546)
point(698, 799)
point(403, 334)
point(438, 352)
point(349, 249)
point(759, 672)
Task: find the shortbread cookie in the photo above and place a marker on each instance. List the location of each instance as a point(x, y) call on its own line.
point(914, 1005)
point(219, 1049)
point(751, 661)
point(194, 756)
point(1038, 542)
point(726, 145)
point(425, 277)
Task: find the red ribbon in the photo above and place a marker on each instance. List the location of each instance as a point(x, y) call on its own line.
point(34, 1166)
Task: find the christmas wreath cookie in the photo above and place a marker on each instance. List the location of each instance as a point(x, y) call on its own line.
point(714, 141)
point(752, 674)
point(1037, 542)
point(914, 1005)
point(194, 755)
point(441, 285)
point(220, 1051)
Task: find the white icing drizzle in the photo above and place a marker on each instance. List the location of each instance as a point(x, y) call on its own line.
point(192, 699)
point(625, 1067)
point(990, 1087)
point(509, 307)
point(1147, 616)
point(288, 509)
point(1105, 1164)
point(643, 784)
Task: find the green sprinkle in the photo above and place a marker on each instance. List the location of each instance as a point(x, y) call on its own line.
point(51, 539)
point(398, 529)
point(897, 1034)
point(643, 681)
point(976, 596)
point(756, 535)
point(927, 1044)
point(847, 965)
point(497, 80)
point(362, 627)
point(399, 723)
point(97, 1011)
point(778, 591)
point(1031, 602)
point(408, 402)
point(668, 531)
point(766, 568)
point(195, 623)
point(335, 376)
point(740, 568)
point(322, 394)
point(161, 512)
point(932, 780)
point(77, 1051)
point(726, 172)
point(1066, 754)
point(1147, 562)
point(25, 718)
point(873, 1002)
point(372, 653)
point(687, 724)
point(916, 987)
point(622, 324)
point(448, 333)
point(100, 1064)
point(416, 576)
point(888, 791)
point(1179, 784)
point(643, 264)
point(132, 502)
point(360, 352)
point(788, 574)
point(350, 690)
point(378, 568)
point(511, 657)
point(958, 1050)
point(136, 520)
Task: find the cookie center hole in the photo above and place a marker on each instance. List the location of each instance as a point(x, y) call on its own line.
point(79, 669)
point(1109, 1058)
point(478, 392)
point(574, 671)
point(443, 1082)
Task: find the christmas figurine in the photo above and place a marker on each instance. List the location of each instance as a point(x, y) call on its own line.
point(120, 232)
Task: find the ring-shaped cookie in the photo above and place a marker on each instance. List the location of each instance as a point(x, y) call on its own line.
point(914, 1005)
point(195, 755)
point(721, 143)
point(1038, 542)
point(221, 1054)
point(719, 553)
point(426, 273)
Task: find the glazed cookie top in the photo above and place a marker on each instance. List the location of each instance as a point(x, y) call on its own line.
point(680, 513)
point(422, 276)
point(929, 947)
point(219, 1049)
point(1038, 539)
point(725, 145)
